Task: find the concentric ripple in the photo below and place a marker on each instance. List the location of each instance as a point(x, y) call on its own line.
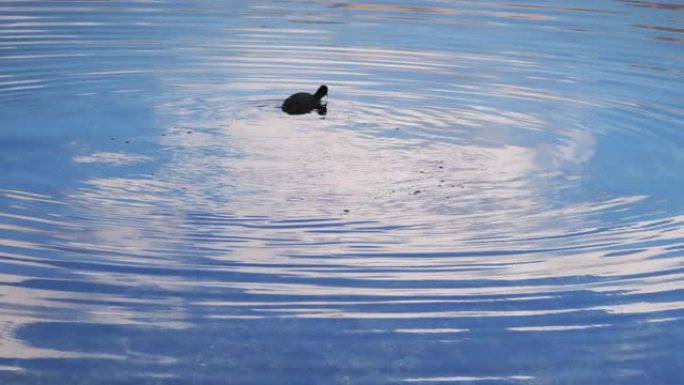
point(493, 197)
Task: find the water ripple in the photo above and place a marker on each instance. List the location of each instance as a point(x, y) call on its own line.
point(491, 180)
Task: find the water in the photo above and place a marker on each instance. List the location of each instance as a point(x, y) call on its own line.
point(494, 197)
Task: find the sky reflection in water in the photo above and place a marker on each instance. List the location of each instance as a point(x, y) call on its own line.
point(493, 196)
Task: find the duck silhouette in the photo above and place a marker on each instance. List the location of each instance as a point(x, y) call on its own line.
point(304, 102)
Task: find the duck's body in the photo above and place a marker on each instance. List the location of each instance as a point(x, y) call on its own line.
point(304, 102)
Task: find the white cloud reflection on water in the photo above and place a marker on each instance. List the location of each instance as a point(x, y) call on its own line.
point(113, 158)
point(264, 156)
point(450, 179)
point(265, 194)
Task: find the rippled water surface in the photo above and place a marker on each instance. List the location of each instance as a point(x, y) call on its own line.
point(494, 197)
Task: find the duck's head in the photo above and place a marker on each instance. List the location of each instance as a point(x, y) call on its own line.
point(322, 91)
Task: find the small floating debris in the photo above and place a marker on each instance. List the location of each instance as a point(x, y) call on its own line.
point(127, 142)
point(417, 192)
point(345, 210)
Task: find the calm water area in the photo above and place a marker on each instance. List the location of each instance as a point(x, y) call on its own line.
point(495, 195)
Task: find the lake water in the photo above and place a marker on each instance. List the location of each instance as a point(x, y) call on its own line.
point(494, 197)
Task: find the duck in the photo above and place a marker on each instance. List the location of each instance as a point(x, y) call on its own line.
point(304, 102)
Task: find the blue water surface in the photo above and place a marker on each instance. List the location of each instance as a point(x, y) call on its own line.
point(494, 196)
